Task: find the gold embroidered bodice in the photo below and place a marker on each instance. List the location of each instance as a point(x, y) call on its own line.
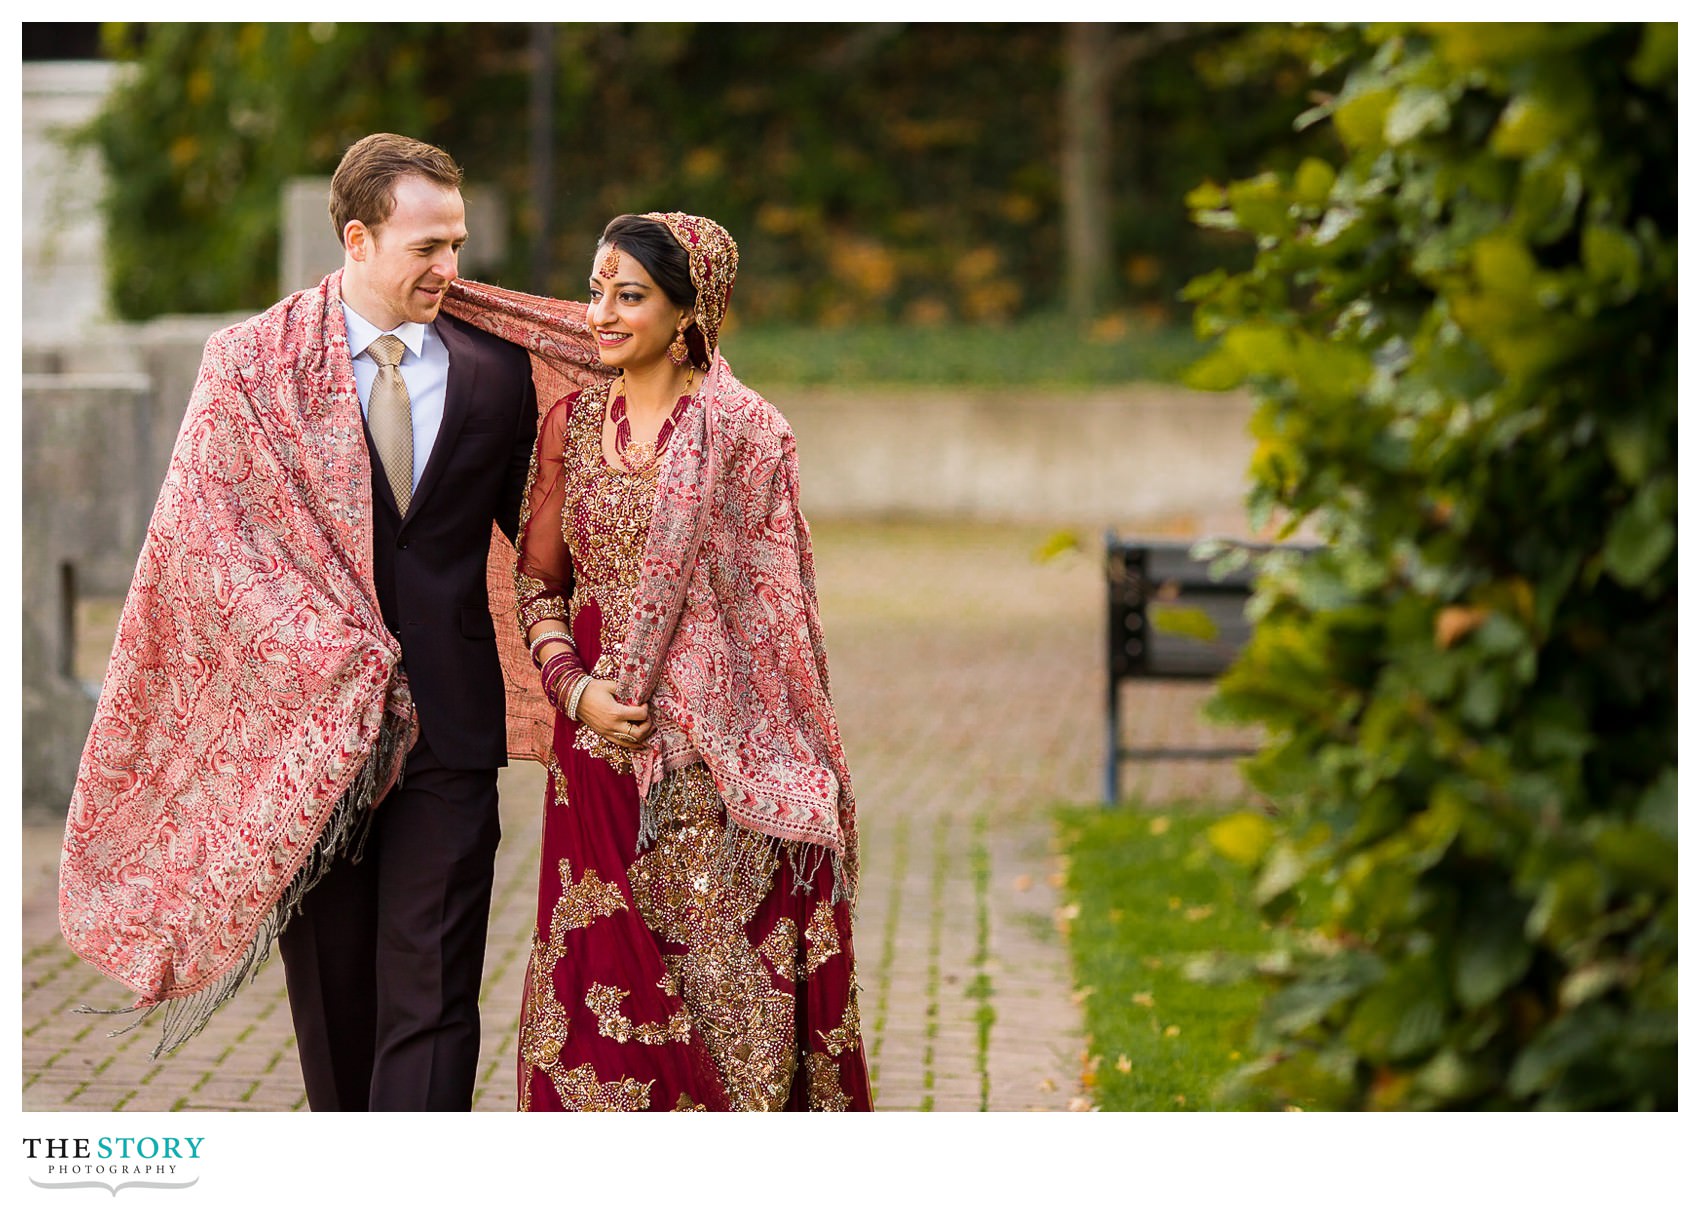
point(587, 523)
point(605, 522)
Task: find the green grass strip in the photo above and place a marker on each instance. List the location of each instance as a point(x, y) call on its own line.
point(980, 989)
point(1147, 896)
point(935, 942)
point(1042, 351)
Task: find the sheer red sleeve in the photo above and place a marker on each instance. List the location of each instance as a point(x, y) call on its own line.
point(543, 573)
point(543, 576)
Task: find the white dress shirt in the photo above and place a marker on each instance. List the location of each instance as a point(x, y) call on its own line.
point(424, 368)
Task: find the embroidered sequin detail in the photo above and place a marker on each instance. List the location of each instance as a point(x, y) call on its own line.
point(699, 898)
point(582, 903)
point(826, 1093)
point(780, 948)
point(580, 1091)
point(605, 522)
point(604, 1002)
point(544, 1021)
point(822, 935)
point(848, 1034)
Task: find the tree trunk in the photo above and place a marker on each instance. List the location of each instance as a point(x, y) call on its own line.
point(543, 63)
point(1087, 246)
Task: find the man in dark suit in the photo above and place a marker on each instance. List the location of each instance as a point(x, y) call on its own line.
point(384, 959)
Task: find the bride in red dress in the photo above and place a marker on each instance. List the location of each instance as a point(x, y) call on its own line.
point(692, 948)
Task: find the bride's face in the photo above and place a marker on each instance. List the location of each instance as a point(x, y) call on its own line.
point(632, 318)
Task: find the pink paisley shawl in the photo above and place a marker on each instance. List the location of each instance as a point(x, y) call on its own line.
point(254, 708)
point(725, 638)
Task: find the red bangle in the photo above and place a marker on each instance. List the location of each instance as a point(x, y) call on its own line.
point(570, 686)
point(555, 670)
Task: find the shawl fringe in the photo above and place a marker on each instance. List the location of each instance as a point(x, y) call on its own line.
point(345, 833)
point(744, 849)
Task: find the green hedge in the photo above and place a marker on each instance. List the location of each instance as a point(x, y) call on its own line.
point(1464, 336)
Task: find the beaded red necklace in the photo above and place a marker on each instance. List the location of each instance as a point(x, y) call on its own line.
point(643, 458)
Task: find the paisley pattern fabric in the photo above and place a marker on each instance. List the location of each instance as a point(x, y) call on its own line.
point(725, 640)
point(254, 706)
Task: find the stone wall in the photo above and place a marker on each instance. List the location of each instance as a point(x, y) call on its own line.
point(1110, 457)
point(86, 501)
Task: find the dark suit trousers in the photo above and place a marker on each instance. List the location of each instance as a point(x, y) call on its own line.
point(384, 960)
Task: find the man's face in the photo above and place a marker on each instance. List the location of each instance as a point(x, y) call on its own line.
point(399, 270)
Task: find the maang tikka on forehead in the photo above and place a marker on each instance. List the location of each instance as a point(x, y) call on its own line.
point(610, 264)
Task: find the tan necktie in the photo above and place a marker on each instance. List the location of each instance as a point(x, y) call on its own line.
point(390, 414)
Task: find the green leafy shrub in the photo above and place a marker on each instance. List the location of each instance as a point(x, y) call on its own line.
point(1463, 336)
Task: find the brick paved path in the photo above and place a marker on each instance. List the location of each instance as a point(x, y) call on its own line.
point(969, 683)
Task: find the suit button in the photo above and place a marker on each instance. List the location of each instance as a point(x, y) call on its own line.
point(402, 545)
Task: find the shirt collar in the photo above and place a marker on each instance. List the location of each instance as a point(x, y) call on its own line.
point(362, 332)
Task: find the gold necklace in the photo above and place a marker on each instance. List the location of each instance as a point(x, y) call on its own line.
point(644, 458)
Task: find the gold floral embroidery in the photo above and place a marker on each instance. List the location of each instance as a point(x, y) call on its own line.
point(583, 903)
point(557, 781)
point(685, 1104)
point(540, 1005)
point(604, 1002)
point(822, 935)
point(581, 1092)
point(780, 948)
point(693, 891)
point(847, 1036)
point(826, 1094)
point(543, 1021)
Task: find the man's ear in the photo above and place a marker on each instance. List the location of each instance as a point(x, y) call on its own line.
point(356, 239)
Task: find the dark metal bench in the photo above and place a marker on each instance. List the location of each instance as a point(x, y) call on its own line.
point(1169, 618)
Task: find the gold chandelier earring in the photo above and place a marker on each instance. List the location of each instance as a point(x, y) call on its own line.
point(679, 352)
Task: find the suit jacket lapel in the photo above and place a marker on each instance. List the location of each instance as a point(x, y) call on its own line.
point(457, 403)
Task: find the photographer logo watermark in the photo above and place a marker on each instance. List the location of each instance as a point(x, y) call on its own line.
point(113, 1163)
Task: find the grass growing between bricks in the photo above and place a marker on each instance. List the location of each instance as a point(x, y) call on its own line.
point(1147, 896)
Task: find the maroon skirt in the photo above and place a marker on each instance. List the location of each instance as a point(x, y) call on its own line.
point(702, 973)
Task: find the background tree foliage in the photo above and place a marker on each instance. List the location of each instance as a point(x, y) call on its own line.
point(872, 172)
point(1464, 337)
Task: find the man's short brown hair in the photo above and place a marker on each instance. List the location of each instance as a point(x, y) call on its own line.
point(364, 185)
